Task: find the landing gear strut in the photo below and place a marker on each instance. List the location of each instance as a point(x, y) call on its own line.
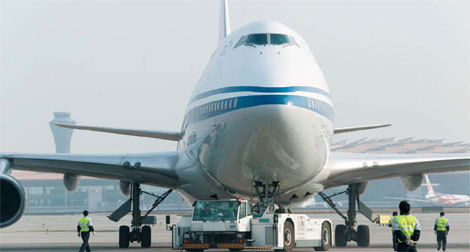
point(139, 233)
point(266, 194)
point(347, 232)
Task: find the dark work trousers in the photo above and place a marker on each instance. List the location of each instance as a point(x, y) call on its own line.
point(402, 247)
point(395, 241)
point(85, 246)
point(441, 240)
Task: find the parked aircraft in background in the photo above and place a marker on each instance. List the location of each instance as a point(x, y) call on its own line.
point(258, 126)
point(445, 199)
point(440, 199)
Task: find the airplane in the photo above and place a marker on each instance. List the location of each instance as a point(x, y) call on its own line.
point(258, 126)
point(445, 199)
point(440, 199)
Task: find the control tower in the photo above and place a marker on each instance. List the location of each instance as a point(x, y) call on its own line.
point(62, 136)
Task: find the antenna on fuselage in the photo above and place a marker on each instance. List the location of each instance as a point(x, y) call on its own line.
point(224, 23)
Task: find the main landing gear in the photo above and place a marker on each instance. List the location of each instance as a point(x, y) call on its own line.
point(139, 233)
point(347, 232)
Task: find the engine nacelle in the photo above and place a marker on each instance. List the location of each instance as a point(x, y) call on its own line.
point(412, 182)
point(71, 182)
point(125, 188)
point(12, 200)
point(361, 187)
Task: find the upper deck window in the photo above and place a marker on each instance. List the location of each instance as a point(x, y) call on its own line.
point(266, 39)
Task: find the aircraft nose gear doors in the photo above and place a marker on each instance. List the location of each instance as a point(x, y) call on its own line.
point(139, 233)
point(347, 232)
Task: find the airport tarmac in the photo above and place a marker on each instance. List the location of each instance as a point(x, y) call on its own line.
point(58, 233)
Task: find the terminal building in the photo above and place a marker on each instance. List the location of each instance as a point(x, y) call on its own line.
point(46, 192)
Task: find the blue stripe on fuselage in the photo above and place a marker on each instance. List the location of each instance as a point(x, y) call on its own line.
point(235, 89)
point(222, 106)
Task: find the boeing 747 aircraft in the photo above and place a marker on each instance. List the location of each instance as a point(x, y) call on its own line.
point(258, 126)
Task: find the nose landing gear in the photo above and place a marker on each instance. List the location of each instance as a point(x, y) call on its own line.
point(266, 194)
point(347, 232)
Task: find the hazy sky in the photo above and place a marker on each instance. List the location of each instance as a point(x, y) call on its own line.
point(133, 64)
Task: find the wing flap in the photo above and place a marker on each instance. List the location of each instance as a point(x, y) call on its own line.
point(348, 168)
point(152, 168)
point(166, 135)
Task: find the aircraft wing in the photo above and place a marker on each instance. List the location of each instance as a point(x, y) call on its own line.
point(351, 129)
point(348, 168)
point(166, 135)
point(150, 168)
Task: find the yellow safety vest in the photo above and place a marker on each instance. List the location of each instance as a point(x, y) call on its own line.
point(441, 224)
point(390, 222)
point(407, 224)
point(84, 224)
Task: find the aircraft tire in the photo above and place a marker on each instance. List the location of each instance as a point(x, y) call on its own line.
point(325, 237)
point(363, 236)
point(146, 238)
point(124, 236)
point(341, 235)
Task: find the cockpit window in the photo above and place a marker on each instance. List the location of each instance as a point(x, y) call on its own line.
point(279, 39)
point(266, 39)
point(241, 41)
point(292, 40)
point(257, 39)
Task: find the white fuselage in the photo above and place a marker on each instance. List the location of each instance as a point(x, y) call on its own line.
point(448, 199)
point(445, 199)
point(259, 113)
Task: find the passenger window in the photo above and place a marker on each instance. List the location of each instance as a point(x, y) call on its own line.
point(235, 103)
point(230, 104)
point(257, 39)
point(225, 104)
point(279, 39)
point(242, 210)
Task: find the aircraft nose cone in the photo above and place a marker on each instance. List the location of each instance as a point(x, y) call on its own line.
point(272, 143)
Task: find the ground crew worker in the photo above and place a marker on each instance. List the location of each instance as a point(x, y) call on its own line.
point(407, 228)
point(394, 236)
point(84, 228)
point(441, 229)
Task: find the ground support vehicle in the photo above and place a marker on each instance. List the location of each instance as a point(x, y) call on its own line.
point(230, 224)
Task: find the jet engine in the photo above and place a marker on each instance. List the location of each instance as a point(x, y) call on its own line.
point(71, 182)
point(361, 187)
point(12, 200)
point(412, 182)
point(125, 188)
